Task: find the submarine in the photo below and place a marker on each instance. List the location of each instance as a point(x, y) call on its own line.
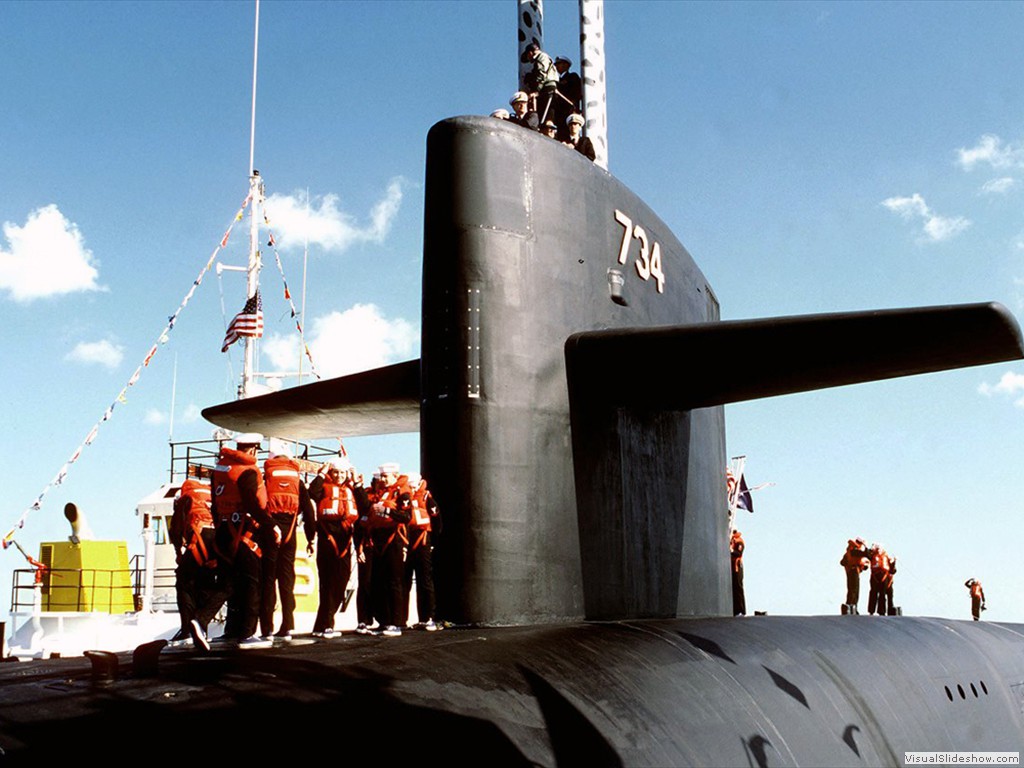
point(584, 561)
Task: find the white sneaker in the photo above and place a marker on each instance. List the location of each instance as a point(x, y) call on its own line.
point(391, 631)
point(430, 626)
point(254, 642)
point(362, 629)
point(198, 635)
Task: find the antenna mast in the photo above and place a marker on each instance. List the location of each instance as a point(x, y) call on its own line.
point(255, 205)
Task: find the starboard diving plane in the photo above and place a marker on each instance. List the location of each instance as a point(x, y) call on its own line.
point(593, 617)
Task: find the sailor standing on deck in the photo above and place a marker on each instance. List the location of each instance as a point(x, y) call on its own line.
point(739, 600)
point(191, 533)
point(542, 80)
point(977, 598)
point(240, 509)
point(337, 509)
point(425, 516)
point(390, 512)
point(854, 561)
point(577, 140)
point(881, 580)
point(523, 116)
point(287, 499)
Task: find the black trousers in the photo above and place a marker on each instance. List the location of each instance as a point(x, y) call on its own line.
point(418, 561)
point(241, 569)
point(201, 587)
point(277, 574)
point(333, 567)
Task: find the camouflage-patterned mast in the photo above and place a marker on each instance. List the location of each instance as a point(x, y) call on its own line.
point(592, 71)
point(531, 17)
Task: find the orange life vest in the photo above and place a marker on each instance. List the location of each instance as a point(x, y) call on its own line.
point(851, 559)
point(196, 519)
point(976, 590)
point(736, 550)
point(338, 504)
point(386, 524)
point(231, 464)
point(281, 475)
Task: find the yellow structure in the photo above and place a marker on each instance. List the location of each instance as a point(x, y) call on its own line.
point(88, 576)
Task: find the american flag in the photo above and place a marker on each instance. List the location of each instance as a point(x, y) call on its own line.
point(248, 322)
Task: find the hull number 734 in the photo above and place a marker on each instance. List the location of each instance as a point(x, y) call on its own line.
point(648, 261)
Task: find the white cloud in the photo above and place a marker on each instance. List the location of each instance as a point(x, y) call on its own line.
point(46, 257)
point(998, 186)
point(100, 352)
point(327, 226)
point(346, 342)
point(990, 150)
point(192, 413)
point(934, 227)
point(154, 416)
point(1011, 384)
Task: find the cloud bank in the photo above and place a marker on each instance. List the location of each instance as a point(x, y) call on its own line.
point(294, 218)
point(1011, 384)
point(104, 353)
point(346, 342)
point(934, 228)
point(45, 257)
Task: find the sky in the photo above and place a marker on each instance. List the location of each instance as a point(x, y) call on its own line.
point(811, 156)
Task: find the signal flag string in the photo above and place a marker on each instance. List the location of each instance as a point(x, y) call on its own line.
point(122, 396)
point(272, 242)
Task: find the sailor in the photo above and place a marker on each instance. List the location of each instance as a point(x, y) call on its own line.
point(287, 499)
point(501, 114)
point(191, 532)
point(977, 598)
point(364, 559)
point(570, 94)
point(523, 115)
point(739, 602)
point(542, 80)
point(418, 562)
point(887, 585)
point(337, 509)
point(576, 139)
point(855, 561)
point(390, 512)
point(880, 581)
point(549, 129)
point(239, 510)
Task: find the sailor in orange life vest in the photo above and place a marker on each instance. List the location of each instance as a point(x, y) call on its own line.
point(239, 510)
point(191, 533)
point(287, 499)
point(424, 523)
point(883, 568)
point(855, 561)
point(338, 503)
point(977, 598)
point(391, 509)
point(739, 601)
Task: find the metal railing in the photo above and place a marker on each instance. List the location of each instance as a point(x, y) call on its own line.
point(86, 589)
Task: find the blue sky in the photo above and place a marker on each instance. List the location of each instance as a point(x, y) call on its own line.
point(811, 156)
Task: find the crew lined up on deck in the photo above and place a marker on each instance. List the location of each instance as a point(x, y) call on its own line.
point(552, 103)
point(237, 545)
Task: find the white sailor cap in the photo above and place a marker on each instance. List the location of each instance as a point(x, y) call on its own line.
point(518, 96)
point(341, 464)
point(575, 117)
point(391, 468)
point(501, 114)
point(249, 438)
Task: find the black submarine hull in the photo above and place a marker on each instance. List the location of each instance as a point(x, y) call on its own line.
point(763, 691)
